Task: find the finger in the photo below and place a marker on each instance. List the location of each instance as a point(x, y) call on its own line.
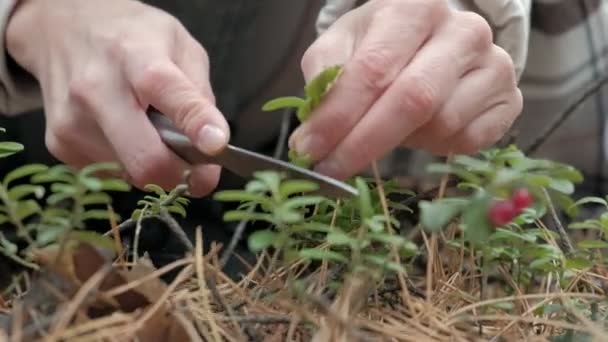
point(389, 44)
point(414, 97)
point(193, 60)
point(132, 136)
point(486, 130)
point(163, 85)
point(480, 89)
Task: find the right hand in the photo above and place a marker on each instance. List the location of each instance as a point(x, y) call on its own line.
point(100, 65)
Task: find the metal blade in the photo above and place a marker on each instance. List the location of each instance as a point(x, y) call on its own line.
point(243, 162)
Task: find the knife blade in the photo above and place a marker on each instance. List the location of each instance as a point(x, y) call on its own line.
point(243, 162)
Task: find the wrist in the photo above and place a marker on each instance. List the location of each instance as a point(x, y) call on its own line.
point(18, 35)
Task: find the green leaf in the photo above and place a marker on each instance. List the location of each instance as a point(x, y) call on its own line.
point(287, 215)
point(473, 164)
point(55, 198)
point(57, 173)
point(505, 234)
point(390, 239)
point(92, 184)
point(588, 224)
point(303, 161)
point(20, 191)
point(63, 188)
point(272, 180)
point(3, 219)
point(155, 189)
point(93, 238)
point(339, 238)
point(297, 186)
point(23, 171)
point(375, 223)
point(434, 216)
point(303, 112)
point(383, 261)
point(578, 263)
point(282, 103)
point(562, 185)
point(301, 202)
point(320, 84)
point(587, 200)
point(96, 198)
point(240, 215)
point(49, 234)
point(365, 200)
point(261, 239)
point(9, 148)
point(26, 209)
point(177, 209)
point(115, 185)
point(97, 167)
point(241, 196)
point(7, 246)
point(591, 244)
point(321, 254)
point(477, 227)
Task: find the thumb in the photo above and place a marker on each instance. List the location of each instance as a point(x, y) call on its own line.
point(164, 86)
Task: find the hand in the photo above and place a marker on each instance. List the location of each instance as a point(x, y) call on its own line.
point(416, 74)
point(100, 65)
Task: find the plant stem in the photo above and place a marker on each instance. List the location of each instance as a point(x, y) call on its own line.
point(12, 214)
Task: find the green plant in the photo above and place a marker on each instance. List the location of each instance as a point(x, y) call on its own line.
point(172, 201)
point(314, 92)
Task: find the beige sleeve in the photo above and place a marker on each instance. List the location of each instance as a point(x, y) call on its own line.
point(19, 91)
point(509, 19)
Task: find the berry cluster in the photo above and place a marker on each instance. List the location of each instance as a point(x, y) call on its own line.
point(504, 211)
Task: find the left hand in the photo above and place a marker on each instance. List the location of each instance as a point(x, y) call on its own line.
point(416, 74)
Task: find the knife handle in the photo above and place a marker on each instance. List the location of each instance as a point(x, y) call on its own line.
point(178, 142)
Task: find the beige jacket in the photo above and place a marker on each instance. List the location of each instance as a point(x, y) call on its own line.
point(558, 47)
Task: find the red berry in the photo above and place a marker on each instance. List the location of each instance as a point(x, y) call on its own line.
point(502, 212)
point(521, 198)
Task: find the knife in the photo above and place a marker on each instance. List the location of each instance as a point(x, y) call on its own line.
point(242, 162)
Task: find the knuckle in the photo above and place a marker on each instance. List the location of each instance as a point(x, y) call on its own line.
point(374, 66)
point(82, 90)
point(503, 66)
point(53, 145)
point(119, 47)
point(478, 32)
point(152, 78)
point(419, 100)
point(63, 129)
point(448, 125)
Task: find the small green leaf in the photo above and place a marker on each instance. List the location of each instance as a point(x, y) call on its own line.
point(261, 239)
point(321, 254)
point(7, 246)
point(240, 215)
point(240, 196)
point(594, 200)
point(20, 191)
point(590, 244)
point(562, 185)
point(477, 227)
point(301, 202)
point(63, 188)
point(321, 83)
point(23, 171)
point(26, 209)
point(282, 103)
point(3, 219)
point(578, 263)
point(92, 184)
point(96, 198)
point(384, 262)
point(9, 148)
point(297, 186)
point(588, 224)
point(434, 216)
point(155, 189)
point(49, 234)
point(303, 161)
point(177, 209)
point(97, 167)
point(55, 198)
point(365, 200)
point(391, 239)
point(57, 173)
point(115, 185)
point(339, 238)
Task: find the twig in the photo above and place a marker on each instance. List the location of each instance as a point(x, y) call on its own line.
point(240, 228)
point(563, 116)
point(265, 319)
point(565, 243)
point(138, 227)
point(218, 298)
point(175, 228)
point(200, 275)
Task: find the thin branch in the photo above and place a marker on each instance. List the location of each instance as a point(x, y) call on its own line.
point(565, 243)
point(563, 116)
point(175, 228)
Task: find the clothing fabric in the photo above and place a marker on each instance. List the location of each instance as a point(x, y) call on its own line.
point(558, 47)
